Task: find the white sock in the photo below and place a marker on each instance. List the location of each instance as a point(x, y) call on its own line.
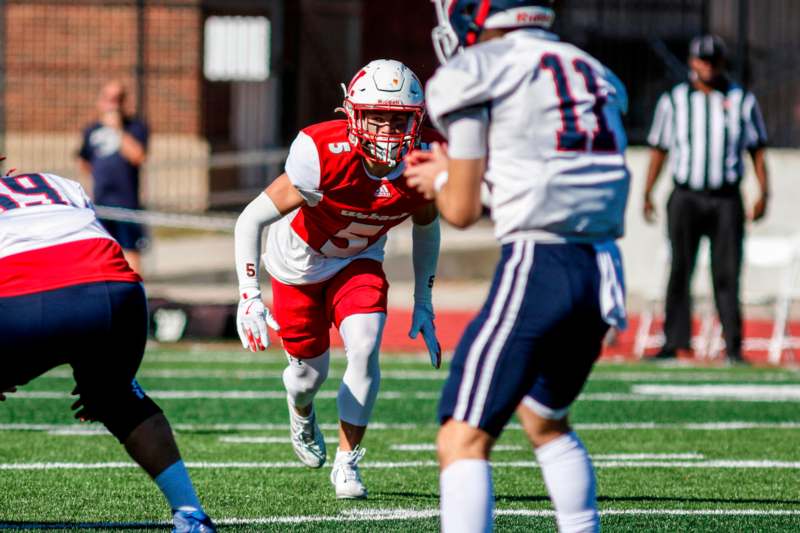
point(174, 482)
point(569, 477)
point(467, 499)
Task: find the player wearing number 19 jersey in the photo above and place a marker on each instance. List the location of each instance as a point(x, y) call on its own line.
point(68, 296)
point(328, 217)
point(536, 123)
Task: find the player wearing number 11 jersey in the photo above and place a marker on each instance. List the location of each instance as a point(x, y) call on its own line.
point(535, 123)
point(328, 216)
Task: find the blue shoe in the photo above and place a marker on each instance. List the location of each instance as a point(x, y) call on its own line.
point(192, 522)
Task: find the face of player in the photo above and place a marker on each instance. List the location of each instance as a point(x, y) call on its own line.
point(704, 70)
point(386, 122)
point(386, 133)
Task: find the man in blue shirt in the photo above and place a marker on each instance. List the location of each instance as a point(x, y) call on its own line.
point(113, 150)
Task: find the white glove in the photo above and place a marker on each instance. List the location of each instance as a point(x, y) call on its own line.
point(252, 319)
point(422, 320)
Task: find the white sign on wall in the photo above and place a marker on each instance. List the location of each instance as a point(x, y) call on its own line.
point(236, 48)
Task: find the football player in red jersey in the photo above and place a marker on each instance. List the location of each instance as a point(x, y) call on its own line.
point(328, 216)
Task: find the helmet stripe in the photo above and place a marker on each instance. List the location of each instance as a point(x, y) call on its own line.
point(483, 13)
point(357, 77)
point(480, 18)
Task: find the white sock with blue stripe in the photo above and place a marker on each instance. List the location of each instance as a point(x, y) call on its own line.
point(467, 499)
point(569, 477)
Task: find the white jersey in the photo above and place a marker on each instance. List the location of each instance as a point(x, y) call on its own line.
point(50, 237)
point(556, 166)
point(56, 211)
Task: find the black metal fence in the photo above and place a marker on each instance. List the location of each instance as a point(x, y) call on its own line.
point(54, 54)
point(646, 42)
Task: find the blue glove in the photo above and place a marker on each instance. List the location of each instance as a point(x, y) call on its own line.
point(422, 320)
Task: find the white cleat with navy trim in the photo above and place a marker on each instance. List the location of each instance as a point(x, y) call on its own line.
point(345, 475)
point(307, 439)
point(192, 521)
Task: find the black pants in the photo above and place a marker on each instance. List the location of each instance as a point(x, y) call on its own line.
point(720, 217)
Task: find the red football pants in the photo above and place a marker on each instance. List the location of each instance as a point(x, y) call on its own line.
point(305, 312)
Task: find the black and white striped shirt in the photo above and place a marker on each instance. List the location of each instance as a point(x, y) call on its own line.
point(706, 134)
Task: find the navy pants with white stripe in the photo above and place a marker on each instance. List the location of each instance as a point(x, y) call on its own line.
point(535, 339)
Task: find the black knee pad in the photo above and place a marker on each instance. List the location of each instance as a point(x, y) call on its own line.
point(121, 410)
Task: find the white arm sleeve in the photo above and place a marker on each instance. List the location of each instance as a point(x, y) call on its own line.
point(258, 214)
point(425, 256)
point(302, 167)
point(466, 132)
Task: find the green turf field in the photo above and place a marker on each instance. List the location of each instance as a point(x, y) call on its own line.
point(675, 448)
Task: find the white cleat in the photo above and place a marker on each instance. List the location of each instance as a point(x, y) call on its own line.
point(345, 476)
point(307, 440)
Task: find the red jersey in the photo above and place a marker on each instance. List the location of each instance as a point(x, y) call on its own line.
point(347, 211)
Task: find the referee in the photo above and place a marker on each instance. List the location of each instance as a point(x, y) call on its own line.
point(705, 125)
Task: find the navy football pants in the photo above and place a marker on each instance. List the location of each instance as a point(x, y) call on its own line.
point(536, 337)
point(99, 329)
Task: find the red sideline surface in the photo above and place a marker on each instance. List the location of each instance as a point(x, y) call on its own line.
point(451, 324)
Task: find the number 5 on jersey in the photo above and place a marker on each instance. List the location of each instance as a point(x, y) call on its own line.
point(356, 236)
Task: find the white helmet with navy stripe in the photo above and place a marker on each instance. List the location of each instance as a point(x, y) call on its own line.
point(462, 21)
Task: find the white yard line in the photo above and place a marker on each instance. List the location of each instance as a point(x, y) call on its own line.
point(430, 447)
point(79, 431)
point(243, 374)
point(690, 512)
point(385, 515)
point(266, 359)
point(263, 440)
point(643, 456)
point(596, 426)
point(700, 375)
point(440, 375)
point(226, 395)
point(384, 465)
point(639, 393)
point(744, 392)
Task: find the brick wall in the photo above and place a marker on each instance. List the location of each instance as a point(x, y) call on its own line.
point(59, 54)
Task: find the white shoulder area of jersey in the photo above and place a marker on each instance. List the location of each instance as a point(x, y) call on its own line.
point(467, 80)
point(303, 169)
point(74, 190)
point(486, 71)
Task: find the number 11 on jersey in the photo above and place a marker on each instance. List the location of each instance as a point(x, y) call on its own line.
point(571, 137)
